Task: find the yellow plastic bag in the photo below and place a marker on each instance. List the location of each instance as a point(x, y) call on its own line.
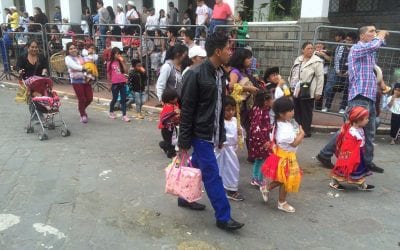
point(22, 94)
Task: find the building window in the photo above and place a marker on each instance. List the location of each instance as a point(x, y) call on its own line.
point(336, 6)
point(367, 5)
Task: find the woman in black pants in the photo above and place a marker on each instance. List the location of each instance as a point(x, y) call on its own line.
point(307, 81)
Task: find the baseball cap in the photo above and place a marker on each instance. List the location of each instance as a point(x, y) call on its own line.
point(131, 3)
point(197, 51)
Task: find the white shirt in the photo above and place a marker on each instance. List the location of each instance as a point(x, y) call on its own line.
point(202, 13)
point(132, 14)
point(359, 134)
point(120, 19)
point(395, 109)
point(278, 93)
point(231, 132)
point(163, 22)
point(285, 135)
point(152, 20)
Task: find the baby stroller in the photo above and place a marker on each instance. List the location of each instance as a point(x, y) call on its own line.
point(44, 106)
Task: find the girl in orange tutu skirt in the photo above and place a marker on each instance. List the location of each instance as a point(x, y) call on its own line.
point(281, 168)
point(350, 166)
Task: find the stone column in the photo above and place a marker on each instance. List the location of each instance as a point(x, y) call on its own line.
point(71, 9)
point(5, 4)
point(161, 4)
point(313, 14)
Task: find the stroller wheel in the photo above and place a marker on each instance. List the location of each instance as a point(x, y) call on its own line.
point(29, 130)
point(65, 133)
point(43, 136)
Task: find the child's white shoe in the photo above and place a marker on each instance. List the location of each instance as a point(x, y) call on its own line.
point(286, 207)
point(264, 192)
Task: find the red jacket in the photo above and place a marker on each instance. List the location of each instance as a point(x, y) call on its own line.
point(348, 154)
point(169, 117)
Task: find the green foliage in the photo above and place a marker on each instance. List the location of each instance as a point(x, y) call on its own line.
point(278, 12)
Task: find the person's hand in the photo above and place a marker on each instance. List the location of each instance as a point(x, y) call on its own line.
point(21, 72)
point(317, 97)
point(301, 131)
point(253, 90)
point(382, 34)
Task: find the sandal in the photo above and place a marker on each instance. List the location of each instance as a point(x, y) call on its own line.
point(336, 186)
point(286, 207)
point(264, 192)
point(234, 195)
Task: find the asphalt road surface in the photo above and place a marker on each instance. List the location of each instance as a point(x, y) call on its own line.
point(103, 188)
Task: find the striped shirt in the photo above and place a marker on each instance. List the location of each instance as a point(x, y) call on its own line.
point(361, 60)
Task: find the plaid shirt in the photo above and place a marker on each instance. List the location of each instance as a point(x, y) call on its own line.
point(362, 80)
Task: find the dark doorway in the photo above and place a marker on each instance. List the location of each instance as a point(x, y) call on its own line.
point(149, 3)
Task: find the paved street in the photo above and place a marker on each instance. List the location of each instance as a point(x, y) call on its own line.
point(103, 188)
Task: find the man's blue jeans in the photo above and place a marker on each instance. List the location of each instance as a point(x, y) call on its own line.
point(103, 32)
point(328, 151)
point(203, 158)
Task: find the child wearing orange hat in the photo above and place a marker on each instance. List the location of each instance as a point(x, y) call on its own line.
point(350, 166)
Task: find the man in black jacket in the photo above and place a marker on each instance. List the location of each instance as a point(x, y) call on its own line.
point(202, 125)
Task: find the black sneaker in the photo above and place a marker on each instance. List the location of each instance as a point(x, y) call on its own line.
point(191, 205)
point(171, 154)
point(366, 187)
point(326, 163)
point(374, 168)
point(229, 225)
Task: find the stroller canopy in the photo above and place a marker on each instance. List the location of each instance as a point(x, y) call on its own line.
point(39, 84)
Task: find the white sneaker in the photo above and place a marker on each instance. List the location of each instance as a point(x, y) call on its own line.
point(342, 111)
point(324, 110)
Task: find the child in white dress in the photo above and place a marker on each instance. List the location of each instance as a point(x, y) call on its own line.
point(227, 159)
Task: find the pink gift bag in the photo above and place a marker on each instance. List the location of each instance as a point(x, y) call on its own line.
point(183, 181)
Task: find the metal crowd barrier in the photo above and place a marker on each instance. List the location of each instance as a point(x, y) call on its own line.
point(388, 59)
point(57, 36)
point(127, 38)
point(157, 58)
point(13, 45)
point(271, 45)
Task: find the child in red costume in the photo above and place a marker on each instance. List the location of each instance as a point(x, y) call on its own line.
point(350, 166)
point(169, 120)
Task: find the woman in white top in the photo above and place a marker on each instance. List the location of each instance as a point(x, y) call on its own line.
point(120, 16)
point(151, 23)
point(163, 21)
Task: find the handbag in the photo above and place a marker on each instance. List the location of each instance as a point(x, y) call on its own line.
point(183, 181)
point(304, 91)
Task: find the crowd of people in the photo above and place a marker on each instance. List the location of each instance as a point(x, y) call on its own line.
point(220, 106)
point(210, 93)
